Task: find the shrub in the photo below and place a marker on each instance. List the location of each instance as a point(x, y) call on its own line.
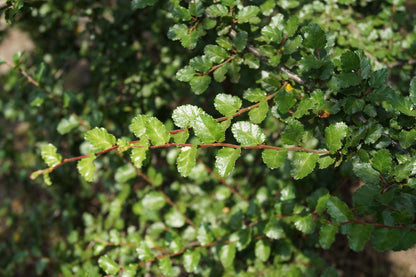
point(209, 137)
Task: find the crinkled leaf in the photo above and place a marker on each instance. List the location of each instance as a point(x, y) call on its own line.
point(165, 266)
point(324, 162)
point(153, 200)
point(350, 61)
point(348, 79)
point(227, 255)
point(262, 250)
point(303, 164)
point(248, 134)
point(334, 133)
point(366, 172)
point(407, 138)
point(191, 260)
point(138, 154)
point(108, 265)
point(274, 229)
point(207, 129)
point(358, 235)
point(257, 115)
point(270, 34)
point(185, 74)
point(217, 10)
point(293, 132)
point(225, 160)
point(86, 167)
point(184, 115)
point(215, 53)
point(251, 61)
point(327, 234)
point(338, 210)
point(138, 125)
point(100, 139)
point(49, 155)
point(199, 84)
point(382, 161)
point(227, 104)
point(201, 64)
point(274, 158)
point(284, 101)
point(379, 78)
point(186, 160)
point(305, 224)
point(196, 8)
point(156, 131)
point(248, 14)
point(314, 36)
point(254, 95)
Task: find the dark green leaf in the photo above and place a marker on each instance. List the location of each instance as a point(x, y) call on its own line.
point(291, 26)
point(215, 53)
point(314, 36)
point(270, 34)
point(366, 172)
point(257, 115)
point(305, 224)
point(379, 78)
point(274, 229)
point(338, 210)
point(383, 239)
point(348, 79)
point(293, 132)
point(407, 138)
point(201, 64)
point(240, 41)
point(248, 14)
point(153, 200)
point(350, 61)
point(284, 101)
point(358, 235)
point(327, 234)
point(185, 74)
point(364, 199)
point(412, 90)
point(254, 95)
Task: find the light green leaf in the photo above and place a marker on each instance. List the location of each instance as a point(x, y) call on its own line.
point(338, 210)
point(207, 129)
point(108, 265)
point(314, 36)
point(216, 54)
point(292, 25)
point(199, 84)
point(270, 34)
point(184, 115)
point(262, 250)
point(186, 160)
point(180, 137)
point(274, 158)
point(219, 73)
point(305, 224)
point(293, 132)
point(225, 160)
point(66, 125)
point(138, 125)
point(217, 10)
point(165, 266)
point(156, 131)
point(100, 139)
point(382, 161)
point(144, 251)
point(227, 104)
point(227, 255)
point(125, 173)
point(254, 95)
point(248, 14)
point(138, 154)
point(86, 167)
point(123, 144)
point(204, 235)
point(248, 134)
point(47, 179)
point(153, 200)
point(49, 155)
point(324, 162)
point(407, 138)
point(257, 115)
point(185, 74)
point(191, 260)
point(251, 61)
point(334, 133)
point(358, 235)
point(274, 229)
point(327, 234)
point(240, 41)
point(303, 164)
point(174, 218)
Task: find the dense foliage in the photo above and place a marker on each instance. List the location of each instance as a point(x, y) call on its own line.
point(210, 137)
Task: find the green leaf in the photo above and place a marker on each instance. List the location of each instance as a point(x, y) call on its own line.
point(291, 26)
point(153, 200)
point(225, 160)
point(186, 160)
point(191, 260)
point(204, 235)
point(366, 172)
point(242, 238)
point(257, 115)
point(156, 131)
point(364, 199)
point(293, 132)
point(217, 10)
point(138, 125)
point(383, 239)
point(303, 164)
point(248, 134)
point(274, 158)
point(227, 104)
point(382, 161)
point(196, 8)
point(215, 53)
point(254, 95)
point(207, 129)
point(412, 90)
point(66, 125)
point(240, 41)
point(379, 78)
point(201, 64)
point(227, 255)
point(219, 73)
point(270, 34)
point(350, 61)
point(407, 138)
point(348, 79)
point(86, 167)
point(262, 250)
point(184, 115)
point(248, 14)
point(330, 272)
point(358, 235)
point(144, 251)
point(165, 266)
point(274, 229)
point(100, 139)
point(305, 224)
point(327, 234)
point(174, 218)
point(125, 173)
point(284, 101)
point(185, 74)
point(199, 84)
point(123, 144)
point(108, 265)
point(338, 210)
point(314, 36)
point(251, 61)
point(181, 32)
point(334, 134)
point(49, 155)
point(324, 162)
point(138, 154)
